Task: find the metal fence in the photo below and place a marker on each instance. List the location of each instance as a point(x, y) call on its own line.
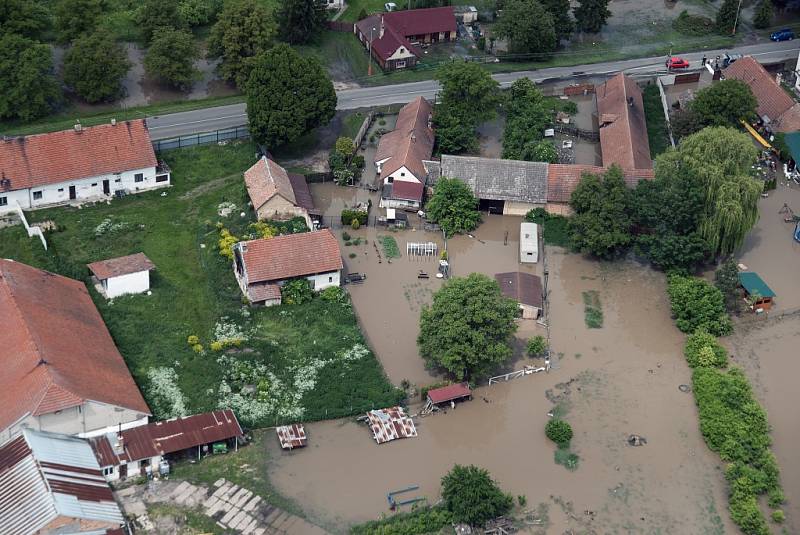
point(776, 314)
point(217, 136)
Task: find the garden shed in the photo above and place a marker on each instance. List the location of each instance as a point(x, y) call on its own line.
point(454, 392)
point(123, 275)
point(525, 289)
point(759, 296)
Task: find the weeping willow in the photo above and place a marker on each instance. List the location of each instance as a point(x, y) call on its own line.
point(733, 213)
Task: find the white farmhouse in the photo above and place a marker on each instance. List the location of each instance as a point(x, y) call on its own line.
point(61, 371)
point(263, 266)
point(123, 275)
point(80, 164)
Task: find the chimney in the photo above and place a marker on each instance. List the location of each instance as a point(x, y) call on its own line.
point(78, 126)
point(113, 121)
point(380, 34)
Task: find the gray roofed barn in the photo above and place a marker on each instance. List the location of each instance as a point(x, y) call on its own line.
point(496, 179)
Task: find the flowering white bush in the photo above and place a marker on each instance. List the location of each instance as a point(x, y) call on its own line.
point(224, 209)
point(166, 397)
point(228, 332)
point(107, 226)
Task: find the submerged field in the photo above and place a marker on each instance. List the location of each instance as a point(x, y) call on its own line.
point(284, 354)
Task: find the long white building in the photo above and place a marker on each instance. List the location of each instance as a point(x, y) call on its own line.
point(80, 164)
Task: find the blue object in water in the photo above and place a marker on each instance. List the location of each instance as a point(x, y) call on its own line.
point(797, 232)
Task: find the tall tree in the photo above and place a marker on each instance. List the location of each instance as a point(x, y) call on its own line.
point(28, 88)
point(94, 68)
point(591, 15)
point(527, 116)
point(602, 223)
point(244, 29)
point(724, 103)
point(153, 15)
point(726, 16)
point(472, 497)
point(720, 159)
point(453, 207)
point(171, 58)
point(454, 135)
point(300, 20)
point(198, 12)
point(763, 16)
point(29, 18)
point(564, 24)
point(288, 95)
point(528, 27)
point(75, 18)
point(726, 278)
point(467, 329)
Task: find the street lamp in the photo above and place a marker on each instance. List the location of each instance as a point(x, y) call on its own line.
point(369, 53)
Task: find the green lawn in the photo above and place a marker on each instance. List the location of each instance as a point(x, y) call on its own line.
point(657, 133)
point(286, 352)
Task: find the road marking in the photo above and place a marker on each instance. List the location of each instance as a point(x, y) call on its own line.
point(198, 121)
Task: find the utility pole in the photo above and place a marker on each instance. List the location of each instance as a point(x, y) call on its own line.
point(736, 20)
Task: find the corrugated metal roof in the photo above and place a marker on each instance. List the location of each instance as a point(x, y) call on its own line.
point(390, 424)
point(752, 283)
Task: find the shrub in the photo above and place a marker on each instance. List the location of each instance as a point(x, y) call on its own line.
point(522, 500)
point(775, 497)
point(358, 161)
point(333, 293)
point(226, 243)
point(778, 516)
point(352, 255)
point(747, 515)
point(566, 458)
point(217, 346)
point(346, 236)
point(348, 243)
point(472, 497)
point(297, 292)
point(421, 520)
point(697, 304)
point(348, 215)
point(693, 24)
point(355, 223)
point(558, 431)
point(197, 348)
point(193, 340)
point(536, 346)
point(703, 350)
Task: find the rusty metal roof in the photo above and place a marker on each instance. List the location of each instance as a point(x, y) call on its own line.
point(390, 424)
point(449, 393)
point(44, 476)
point(292, 436)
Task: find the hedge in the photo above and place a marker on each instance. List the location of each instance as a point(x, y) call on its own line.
point(703, 350)
point(349, 215)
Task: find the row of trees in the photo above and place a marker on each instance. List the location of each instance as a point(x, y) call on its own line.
point(701, 204)
point(538, 26)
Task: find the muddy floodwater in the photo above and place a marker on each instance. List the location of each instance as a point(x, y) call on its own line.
point(611, 382)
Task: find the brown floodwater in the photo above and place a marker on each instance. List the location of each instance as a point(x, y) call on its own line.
point(624, 379)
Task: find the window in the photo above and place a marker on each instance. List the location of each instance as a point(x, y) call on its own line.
point(117, 180)
point(61, 190)
point(400, 65)
point(330, 279)
point(37, 195)
point(402, 174)
point(94, 185)
point(138, 177)
point(162, 178)
point(3, 201)
point(390, 179)
point(108, 471)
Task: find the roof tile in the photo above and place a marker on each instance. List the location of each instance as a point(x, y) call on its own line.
point(123, 265)
point(292, 255)
point(773, 101)
point(623, 130)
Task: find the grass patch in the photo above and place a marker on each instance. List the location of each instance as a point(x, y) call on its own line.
point(555, 228)
point(351, 124)
point(420, 520)
point(657, 134)
point(592, 310)
point(566, 458)
point(188, 521)
point(246, 467)
point(341, 54)
point(695, 25)
point(389, 246)
point(194, 292)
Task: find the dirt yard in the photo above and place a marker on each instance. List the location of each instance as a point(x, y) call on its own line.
point(611, 382)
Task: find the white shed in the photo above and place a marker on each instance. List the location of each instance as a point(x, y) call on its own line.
point(528, 243)
point(124, 275)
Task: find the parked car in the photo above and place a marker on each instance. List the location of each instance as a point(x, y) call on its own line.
point(390, 6)
point(677, 63)
point(785, 34)
point(727, 59)
point(355, 278)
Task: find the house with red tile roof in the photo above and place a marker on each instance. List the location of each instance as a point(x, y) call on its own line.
point(776, 107)
point(61, 371)
point(399, 160)
point(393, 38)
point(277, 194)
point(262, 266)
point(80, 164)
point(122, 275)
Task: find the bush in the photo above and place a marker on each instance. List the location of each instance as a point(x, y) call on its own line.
point(693, 24)
point(355, 223)
point(352, 255)
point(566, 458)
point(775, 497)
point(193, 340)
point(778, 516)
point(555, 230)
point(472, 497)
point(421, 520)
point(697, 304)
point(536, 346)
point(746, 514)
point(559, 432)
point(296, 292)
point(226, 243)
point(346, 236)
point(703, 350)
point(348, 215)
point(334, 294)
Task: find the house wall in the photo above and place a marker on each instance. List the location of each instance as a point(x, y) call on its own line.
point(87, 188)
point(90, 419)
point(324, 280)
point(9, 200)
point(397, 203)
point(402, 175)
point(519, 208)
point(529, 312)
point(132, 283)
point(281, 209)
point(558, 208)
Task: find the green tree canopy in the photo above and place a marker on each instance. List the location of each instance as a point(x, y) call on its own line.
point(171, 56)
point(527, 116)
point(724, 103)
point(244, 29)
point(453, 207)
point(75, 18)
point(198, 12)
point(94, 68)
point(28, 89)
point(602, 223)
point(697, 304)
point(454, 135)
point(559, 431)
point(726, 16)
point(472, 497)
point(28, 18)
point(300, 21)
point(720, 159)
point(763, 16)
point(726, 278)
point(154, 15)
point(591, 15)
point(288, 95)
point(468, 328)
point(564, 24)
point(543, 151)
point(528, 27)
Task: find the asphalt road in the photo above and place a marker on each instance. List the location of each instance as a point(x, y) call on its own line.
point(220, 117)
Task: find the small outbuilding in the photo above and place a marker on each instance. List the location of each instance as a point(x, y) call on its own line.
point(292, 436)
point(524, 288)
point(759, 296)
point(445, 394)
point(121, 276)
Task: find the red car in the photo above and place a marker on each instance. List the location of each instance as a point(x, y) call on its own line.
point(677, 63)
